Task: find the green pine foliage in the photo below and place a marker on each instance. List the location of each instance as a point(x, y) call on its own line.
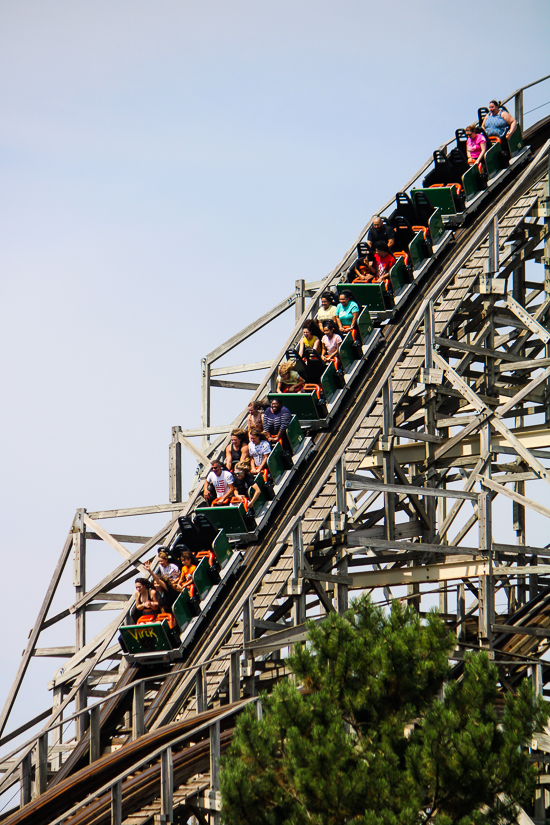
point(373, 732)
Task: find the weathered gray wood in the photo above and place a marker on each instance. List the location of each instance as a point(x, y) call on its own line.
point(526, 364)
point(175, 479)
point(41, 765)
point(241, 336)
point(120, 537)
point(167, 785)
point(520, 395)
point(223, 429)
point(527, 319)
point(215, 756)
point(42, 613)
point(234, 385)
point(257, 365)
point(132, 511)
point(415, 436)
point(520, 630)
point(116, 803)
point(355, 539)
point(201, 457)
point(55, 651)
point(138, 710)
point(426, 573)
point(332, 578)
point(527, 502)
point(356, 482)
point(25, 771)
point(235, 676)
point(95, 733)
point(201, 690)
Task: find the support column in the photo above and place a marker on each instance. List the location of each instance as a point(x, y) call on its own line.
point(430, 502)
point(26, 772)
point(57, 732)
point(215, 765)
point(342, 589)
point(461, 612)
point(95, 733)
point(235, 677)
point(138, 710)
point(205, 400)
point(167, 786)
point(300, 298)
point(201, 690)
point(387, 458)
point(486, 583)
point(518, 108)
point(299, 605)
point(175, 491)
point(248, 636)
point(339, 517)
point(79, 578)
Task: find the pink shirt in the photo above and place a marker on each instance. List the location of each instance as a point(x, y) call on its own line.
point(332, 345)
point(473, 144)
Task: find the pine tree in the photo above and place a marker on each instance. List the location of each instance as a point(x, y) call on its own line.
point(373, 730)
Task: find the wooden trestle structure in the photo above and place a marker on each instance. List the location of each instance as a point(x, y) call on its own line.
point(448, 424)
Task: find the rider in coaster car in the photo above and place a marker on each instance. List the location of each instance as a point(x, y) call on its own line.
point(218, 486)
point(288, 379)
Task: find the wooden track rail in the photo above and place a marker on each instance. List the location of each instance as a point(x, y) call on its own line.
point(449, 419)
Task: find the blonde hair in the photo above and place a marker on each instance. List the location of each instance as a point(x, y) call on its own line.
point(286, 366)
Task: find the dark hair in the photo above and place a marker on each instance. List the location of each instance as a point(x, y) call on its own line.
point(312, 327)
point(191, 555)
point(382, 246)
point(347, 294)
point(329, 296)
point(145, 582)
point(496, 102)
point(330, 325)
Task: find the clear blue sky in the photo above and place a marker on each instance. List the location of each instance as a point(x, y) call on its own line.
point(168, 169)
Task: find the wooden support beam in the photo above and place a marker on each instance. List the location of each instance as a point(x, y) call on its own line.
point(95, 733)
point(241, 336)
point(356, 540)
point(234, 385)
point(150, 509)
point(417, 575)
point(526, 502)
point(201, 457)
point(357, 482)
point(257, 365)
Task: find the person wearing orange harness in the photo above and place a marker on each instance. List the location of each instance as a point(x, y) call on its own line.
point(146, 600)
point(188, 567)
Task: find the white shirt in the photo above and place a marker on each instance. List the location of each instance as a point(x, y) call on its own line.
point(221, 482)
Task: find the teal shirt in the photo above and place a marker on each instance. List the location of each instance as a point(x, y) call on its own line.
point(345, 313)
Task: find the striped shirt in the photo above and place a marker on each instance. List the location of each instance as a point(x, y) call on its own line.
point(275, 421)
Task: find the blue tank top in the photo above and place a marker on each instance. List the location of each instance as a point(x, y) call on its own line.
point(496, 125)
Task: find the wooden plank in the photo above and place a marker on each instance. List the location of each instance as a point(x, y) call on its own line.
point(417, 575)
point(245, 333)
point(462, 346)
point(134, 511)
point(55, 651)
point(526, 502)
point(258, 365)
point(109, 539)
point(199, 455)
point(420, 547)
point(527, 320)
point(541, 632)
point(224, 429)
point(120, 537)
point(234, 385)
point(356, 482)
point(523, 392)
point(35, 632)
point(527, 364)
point(333, 578)
point(415, 436)
point(526, 454)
